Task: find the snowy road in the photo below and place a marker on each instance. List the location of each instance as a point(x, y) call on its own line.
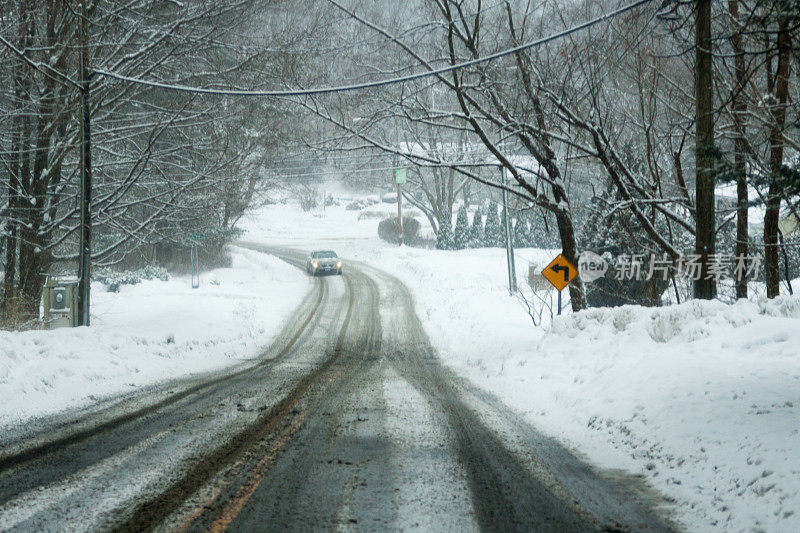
point(348, 422)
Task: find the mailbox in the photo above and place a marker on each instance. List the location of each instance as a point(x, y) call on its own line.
point(60, 302)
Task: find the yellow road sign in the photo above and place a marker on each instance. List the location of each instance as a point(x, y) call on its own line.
point(560, 272)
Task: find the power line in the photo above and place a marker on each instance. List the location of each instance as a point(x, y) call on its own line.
point(379, 83)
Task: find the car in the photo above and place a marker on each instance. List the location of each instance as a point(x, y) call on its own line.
point(324, 262)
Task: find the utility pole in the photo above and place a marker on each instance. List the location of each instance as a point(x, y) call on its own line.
point(85, 254)
point(399, 179)
point(398, 182)
point(512, 271)
point(399, 215)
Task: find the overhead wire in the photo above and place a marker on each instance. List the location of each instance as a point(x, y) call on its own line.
point(378, 83)
point(50, 72)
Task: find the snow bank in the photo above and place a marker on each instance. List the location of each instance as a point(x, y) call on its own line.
point(703, 398)
point(147, 333)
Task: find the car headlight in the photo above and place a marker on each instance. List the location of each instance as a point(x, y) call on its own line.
point(314, 264)
point(339, 263)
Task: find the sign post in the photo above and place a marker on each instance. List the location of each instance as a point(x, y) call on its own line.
point(559, 273)
point(399, 179)
point(512, 269)
point(195, 258)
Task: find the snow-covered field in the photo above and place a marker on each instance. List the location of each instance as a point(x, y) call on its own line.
point(146, 333)
point(702, 399)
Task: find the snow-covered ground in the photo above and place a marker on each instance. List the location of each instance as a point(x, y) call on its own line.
point(146, 333)
point(702, 399)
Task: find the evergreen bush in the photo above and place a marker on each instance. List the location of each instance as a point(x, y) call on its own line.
point(493, 233)
point(461, 234)
point(444, 238)
point(476, 237)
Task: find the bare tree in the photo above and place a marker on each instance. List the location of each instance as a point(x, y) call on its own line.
point(166, 165)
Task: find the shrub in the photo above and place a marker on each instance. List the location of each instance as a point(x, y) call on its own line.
point(361, 203)
point(154, 272)
point(387, 230)
point(307, 196)
point(114, 280)
point(308, 202)
point(462, 231)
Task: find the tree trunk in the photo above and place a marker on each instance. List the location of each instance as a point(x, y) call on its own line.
point(33, 265)
point(21, 84)
point(704, 146)
point(10, 238)
point(36, 172)
point(10, 270)
point(771, 258)
point(739, 106)
point(776, 143)
point(569, 249)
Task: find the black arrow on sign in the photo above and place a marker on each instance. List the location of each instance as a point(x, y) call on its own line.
point(561, 268)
